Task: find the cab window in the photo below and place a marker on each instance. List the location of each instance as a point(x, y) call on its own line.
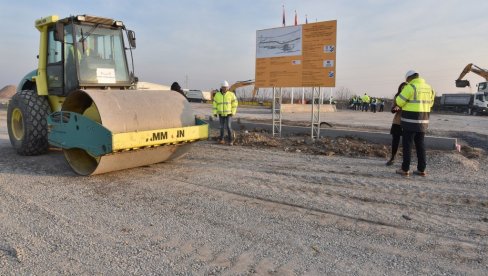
point(54, 66)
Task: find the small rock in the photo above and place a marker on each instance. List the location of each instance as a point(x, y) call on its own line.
point(406, 217)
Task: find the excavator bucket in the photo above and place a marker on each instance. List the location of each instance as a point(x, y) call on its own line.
point(106, 130)
point(462, 83)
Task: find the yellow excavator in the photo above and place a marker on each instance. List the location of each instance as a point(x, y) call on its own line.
point(84, 99)
point(470, 68)
point(239, 84)
point(478, 102)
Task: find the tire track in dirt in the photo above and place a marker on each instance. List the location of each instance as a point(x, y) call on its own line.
point(467, 250)
point(367, 194)
point(401, 193)
point(314, 209)
point(371, 201)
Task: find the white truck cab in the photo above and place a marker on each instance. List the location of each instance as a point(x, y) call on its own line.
point(480, 101)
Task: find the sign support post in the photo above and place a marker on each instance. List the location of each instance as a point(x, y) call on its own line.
point(316, 99)
point(277, 100)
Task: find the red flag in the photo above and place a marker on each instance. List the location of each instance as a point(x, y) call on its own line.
point(284, 24)
point(296, 18)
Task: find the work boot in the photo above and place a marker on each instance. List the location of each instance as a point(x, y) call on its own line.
point(222, 142)
point(420, 173)
point(402, 172)
point(390, 162)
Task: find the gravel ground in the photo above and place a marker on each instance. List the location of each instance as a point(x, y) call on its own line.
point(243, 210)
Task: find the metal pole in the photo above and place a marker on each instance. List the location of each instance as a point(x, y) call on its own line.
point(273, 110)
point(312, 133)
point(303, 95)
point(292, 90)
point(318, 115)
point(281, 101)
point(321, 97)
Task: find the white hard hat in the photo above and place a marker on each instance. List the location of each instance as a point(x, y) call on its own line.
point(224, 84)
point(410, 73)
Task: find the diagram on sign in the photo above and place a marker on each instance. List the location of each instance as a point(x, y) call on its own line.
point(279, 42)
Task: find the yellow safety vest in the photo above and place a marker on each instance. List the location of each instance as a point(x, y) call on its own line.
point(224, 105)
point(416, 100)
point(365, 98)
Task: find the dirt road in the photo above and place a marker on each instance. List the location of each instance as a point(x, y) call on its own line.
point(239, 211)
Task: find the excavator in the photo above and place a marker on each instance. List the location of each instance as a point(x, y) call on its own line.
point(84, 99)
point(239, 84)
point(470, 68)
point(479, 101)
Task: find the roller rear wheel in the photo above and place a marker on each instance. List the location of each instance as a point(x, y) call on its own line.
point(27, 123)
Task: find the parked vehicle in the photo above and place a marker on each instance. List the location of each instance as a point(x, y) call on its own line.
point(473, 104)
point(199, 96)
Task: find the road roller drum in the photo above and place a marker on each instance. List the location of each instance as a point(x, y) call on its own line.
point(102, 130)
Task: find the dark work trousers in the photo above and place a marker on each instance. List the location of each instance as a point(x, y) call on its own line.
point(409, 138)
point(226, 122)
point(395, 142)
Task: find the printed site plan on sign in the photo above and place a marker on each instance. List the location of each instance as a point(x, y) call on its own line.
point(297, 56)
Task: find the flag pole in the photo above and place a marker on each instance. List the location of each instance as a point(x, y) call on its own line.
point(284, 21)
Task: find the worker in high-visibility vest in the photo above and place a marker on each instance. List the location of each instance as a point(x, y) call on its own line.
point(365, 99)
point(225, 106)
point(416, 101)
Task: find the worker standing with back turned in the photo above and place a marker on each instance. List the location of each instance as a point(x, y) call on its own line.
point(415, 100)
point(225, 106)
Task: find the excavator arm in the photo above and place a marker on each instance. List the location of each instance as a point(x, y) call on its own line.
point(239, 84)
point(470, 68)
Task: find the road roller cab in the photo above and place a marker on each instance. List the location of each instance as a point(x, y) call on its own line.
point(83, 99)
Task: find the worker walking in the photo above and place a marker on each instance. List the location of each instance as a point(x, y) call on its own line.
point(225, 106)
point(416, 101)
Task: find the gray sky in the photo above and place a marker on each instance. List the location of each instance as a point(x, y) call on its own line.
point(377, 40)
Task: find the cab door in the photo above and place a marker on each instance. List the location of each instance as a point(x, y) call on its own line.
point(54, 67)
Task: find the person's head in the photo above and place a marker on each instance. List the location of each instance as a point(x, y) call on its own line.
point(410, 75)
point(400, 88)
point(176, 87)
point(224, 86)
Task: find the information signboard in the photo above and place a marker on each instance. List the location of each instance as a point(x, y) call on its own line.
point(297, 56)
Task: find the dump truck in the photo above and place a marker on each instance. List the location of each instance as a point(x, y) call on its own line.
point(479, 101)
point(83, 98)
point(457, 102)
point(474, 104)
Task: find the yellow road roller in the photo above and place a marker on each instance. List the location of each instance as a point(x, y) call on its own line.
point(83, 98)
